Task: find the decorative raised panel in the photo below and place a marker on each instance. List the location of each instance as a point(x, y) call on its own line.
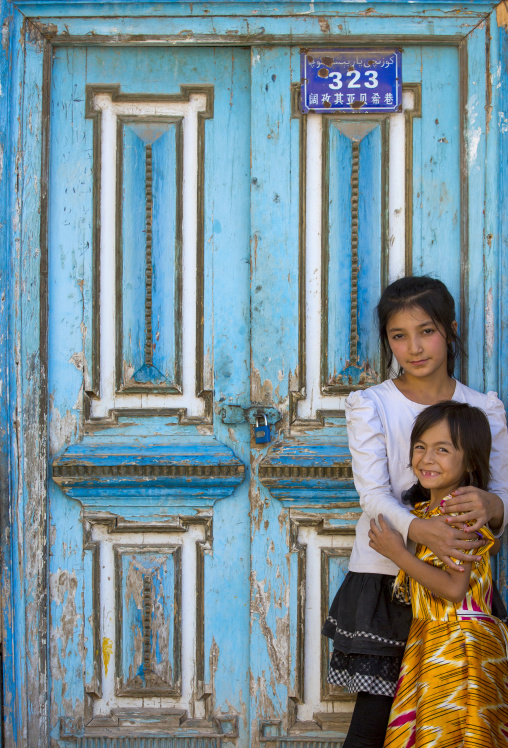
point(148, 615)
point(147, 350)
point(151, 607)
point(353, 250)
point(356, 194)
point(149, 305)
point(320, 544)
point(106, 477)
point(334, 567)
point(303, 472)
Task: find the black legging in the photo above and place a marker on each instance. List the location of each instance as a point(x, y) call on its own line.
point(369, 721)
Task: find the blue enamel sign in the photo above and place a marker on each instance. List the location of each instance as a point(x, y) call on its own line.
point(351, 80)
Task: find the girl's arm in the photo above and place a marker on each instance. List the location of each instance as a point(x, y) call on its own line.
point(367, 442)
point(449, 584)
point(495, 547)
point(480, 507)
point(446, 542)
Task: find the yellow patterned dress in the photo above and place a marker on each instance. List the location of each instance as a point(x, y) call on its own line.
point(453, 685)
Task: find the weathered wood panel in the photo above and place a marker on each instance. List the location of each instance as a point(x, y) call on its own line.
point(274, 288)
point(261, 676)
point(150, 196)
point(148, 642)
point(354, 250)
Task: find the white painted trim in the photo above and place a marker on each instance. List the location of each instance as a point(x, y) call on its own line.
point(313, 289)
point(397, 191)
point(110, 111)
point(313, 621)
point(108, 614)
point(397, 198)
point(107, 263)
point(314, 400)
point(107, 621)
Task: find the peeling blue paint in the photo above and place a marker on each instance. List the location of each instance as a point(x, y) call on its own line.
point(250, 332)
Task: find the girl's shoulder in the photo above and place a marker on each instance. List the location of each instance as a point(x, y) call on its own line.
point(488, 402)
point(372, 396)
point(384, 399)
point(376, 407)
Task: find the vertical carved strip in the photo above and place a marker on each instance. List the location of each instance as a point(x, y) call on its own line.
point(91, 603)
point(298, 593)
point(148, 254)
point(147, 622)
point(355, 170)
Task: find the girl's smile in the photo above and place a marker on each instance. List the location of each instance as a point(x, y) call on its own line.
point(437, 463)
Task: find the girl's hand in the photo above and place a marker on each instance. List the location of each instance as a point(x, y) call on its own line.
point(385, 540)
point(479, 507)
point(446, 541)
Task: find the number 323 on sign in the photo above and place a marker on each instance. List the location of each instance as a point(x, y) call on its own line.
point(351, 80)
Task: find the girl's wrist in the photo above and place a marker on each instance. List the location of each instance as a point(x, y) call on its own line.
point(399, 557)
point(414, 532)
point(496, 511)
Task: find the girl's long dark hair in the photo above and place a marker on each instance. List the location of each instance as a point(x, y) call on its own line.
point(433, 297)
point(469, 431)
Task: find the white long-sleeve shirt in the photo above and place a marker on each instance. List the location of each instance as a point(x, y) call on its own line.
point(379, 423)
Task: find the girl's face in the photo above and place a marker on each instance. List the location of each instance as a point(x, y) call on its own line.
point(437, 463)
point(418, 345)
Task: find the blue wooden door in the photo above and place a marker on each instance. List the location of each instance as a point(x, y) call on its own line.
point(214, 259)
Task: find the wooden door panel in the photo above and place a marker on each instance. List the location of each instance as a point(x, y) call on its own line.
point(154, 252)
point(222, 254)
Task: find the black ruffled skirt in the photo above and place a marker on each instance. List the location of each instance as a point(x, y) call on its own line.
point(369, 629)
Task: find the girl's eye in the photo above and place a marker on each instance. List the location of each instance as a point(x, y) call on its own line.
point(418, 446)
point(397, 336)
point(429, 331)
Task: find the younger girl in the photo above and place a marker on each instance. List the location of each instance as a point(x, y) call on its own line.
point(368, 625)
point(453, 685)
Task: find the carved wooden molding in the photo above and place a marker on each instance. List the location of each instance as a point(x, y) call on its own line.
point(157, 617)
point(147, 376)
point(110, 476)
point(356, 374)
point(301, 473)
point(63, 474)
point(353, 335)
point(339, 472)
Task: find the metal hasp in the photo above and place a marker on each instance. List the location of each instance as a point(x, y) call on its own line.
point(232, 414)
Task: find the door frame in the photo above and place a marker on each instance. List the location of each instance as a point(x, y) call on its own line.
point(25, 76)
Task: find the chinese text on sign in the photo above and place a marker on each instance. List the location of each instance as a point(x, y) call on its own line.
point(351, 80)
